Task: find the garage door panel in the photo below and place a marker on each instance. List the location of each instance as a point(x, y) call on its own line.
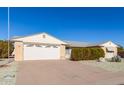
point(41, 53)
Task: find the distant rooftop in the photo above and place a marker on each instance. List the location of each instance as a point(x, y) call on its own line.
point(77, 44)
point(83, 44)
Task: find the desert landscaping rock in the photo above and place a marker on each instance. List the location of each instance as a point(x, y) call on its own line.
point(8, 74)
point(109, 66)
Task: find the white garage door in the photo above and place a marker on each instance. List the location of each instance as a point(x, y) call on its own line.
point(40, 52)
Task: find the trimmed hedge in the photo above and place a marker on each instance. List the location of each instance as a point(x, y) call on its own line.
point(4, 49)
point(78, 54)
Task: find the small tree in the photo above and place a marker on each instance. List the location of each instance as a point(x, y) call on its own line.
point(4, 49)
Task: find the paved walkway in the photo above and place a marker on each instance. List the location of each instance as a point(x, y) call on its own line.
point(65, 73)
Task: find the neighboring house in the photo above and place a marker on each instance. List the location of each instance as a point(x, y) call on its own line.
point(44, 47)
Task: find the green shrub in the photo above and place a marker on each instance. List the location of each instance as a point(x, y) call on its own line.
point(86, 53)
point(99, 53)
point(76, 54)
point(114, 59)
point(4, 49)
point(0, 50)
point(120, 49)
point(94, 54)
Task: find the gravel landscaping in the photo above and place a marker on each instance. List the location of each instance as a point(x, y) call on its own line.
point(8, 73)
point(109, 66)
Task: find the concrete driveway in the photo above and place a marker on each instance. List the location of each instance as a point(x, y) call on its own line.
point(63, 72)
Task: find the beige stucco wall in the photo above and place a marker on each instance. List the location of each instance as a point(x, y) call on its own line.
point(115, 51)
point(18, 51)
point(39, 39)
point(104, 49)
point(62, 51)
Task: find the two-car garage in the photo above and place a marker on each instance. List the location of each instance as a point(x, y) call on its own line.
point(39, 47)
point(41, 52)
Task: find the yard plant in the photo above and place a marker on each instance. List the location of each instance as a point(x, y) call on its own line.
point(4, 48)
point(86, 53)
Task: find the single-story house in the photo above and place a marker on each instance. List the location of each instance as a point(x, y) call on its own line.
point(46, 47)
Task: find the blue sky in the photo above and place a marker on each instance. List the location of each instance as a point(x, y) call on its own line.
point(3, 23)
point(77, 24)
